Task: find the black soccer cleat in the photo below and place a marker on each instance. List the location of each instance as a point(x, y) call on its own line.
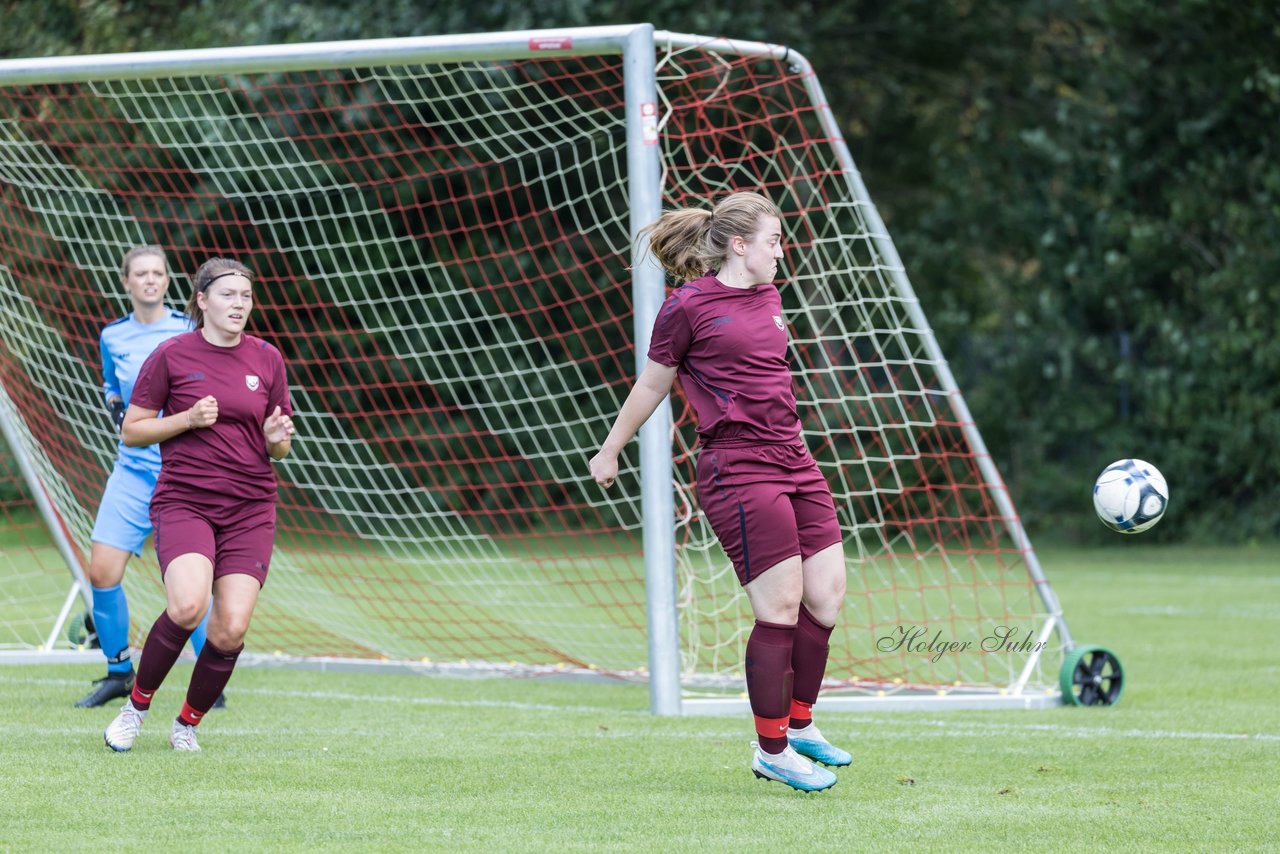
point(220, 703)
point(110, 687)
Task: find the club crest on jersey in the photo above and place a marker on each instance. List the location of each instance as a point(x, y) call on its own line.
point(777, 321)
point(251, 381)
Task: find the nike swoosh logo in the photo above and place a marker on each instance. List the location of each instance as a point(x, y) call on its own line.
point(803, 772)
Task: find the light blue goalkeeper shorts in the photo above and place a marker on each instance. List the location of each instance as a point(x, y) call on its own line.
point(124, 519)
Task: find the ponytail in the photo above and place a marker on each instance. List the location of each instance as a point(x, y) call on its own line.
point(691, 242)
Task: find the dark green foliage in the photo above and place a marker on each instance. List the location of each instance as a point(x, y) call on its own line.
point(1109, 293)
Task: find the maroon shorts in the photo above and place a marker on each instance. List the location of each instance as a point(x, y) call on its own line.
point(236, 536)
point(766, 503)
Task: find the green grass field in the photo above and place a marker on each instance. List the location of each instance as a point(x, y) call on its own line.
point(1188, 761)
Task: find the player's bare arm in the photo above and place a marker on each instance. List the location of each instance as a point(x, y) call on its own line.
point(650, 390)
point(145, 426)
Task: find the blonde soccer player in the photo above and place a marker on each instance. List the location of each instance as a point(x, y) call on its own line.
point(723, 334)
point(123, 522)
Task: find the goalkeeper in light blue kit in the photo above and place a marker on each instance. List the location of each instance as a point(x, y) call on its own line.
point(123, 521)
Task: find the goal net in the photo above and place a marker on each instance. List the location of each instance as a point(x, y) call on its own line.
point(442, 231)
point(36, 593)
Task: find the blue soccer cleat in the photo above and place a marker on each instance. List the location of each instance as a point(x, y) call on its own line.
point(810, 742)
point(791, 768)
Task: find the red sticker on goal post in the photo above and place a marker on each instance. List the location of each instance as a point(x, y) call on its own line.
point(649, 122)
point(551, 43)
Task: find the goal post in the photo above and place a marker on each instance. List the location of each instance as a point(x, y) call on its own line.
point(445, 235)
point(644, 186)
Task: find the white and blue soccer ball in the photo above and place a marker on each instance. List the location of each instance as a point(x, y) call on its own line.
point(1130, 496)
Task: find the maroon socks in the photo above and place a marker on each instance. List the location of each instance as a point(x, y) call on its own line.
point(769, 675)
point(212, 671)
point(164, 644)
point(809, 661)
point(784, 667)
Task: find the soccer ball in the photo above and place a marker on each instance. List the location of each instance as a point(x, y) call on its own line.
point(1130, 496)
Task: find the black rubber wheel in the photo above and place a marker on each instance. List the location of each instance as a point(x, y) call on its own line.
point(1091, 676)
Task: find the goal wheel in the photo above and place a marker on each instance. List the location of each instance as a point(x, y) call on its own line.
point(80, 630)
point(1091, 676)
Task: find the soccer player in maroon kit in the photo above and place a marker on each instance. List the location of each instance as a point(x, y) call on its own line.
point(722, 332)
point(227, 416)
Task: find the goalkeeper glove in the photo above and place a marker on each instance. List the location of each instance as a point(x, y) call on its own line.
point(117, 408)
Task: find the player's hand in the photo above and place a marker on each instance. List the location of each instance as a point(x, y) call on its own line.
point(604, 469)
point(278, 427)
point(117, 409)
point(204, 413)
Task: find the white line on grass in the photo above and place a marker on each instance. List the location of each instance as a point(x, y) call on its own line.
point(380, 698)
point(943, 727)
point(434, 701)
point(905, 723)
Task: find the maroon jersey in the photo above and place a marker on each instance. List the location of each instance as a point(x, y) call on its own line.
point(730, 345)
point(228, 460)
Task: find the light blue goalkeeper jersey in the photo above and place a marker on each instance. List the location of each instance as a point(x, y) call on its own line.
point(125, 345)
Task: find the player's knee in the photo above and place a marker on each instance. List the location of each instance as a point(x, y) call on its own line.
point(832, 601)
point(229, 632)
point(187, 613)
point(824, 597)
point(105, 573)
point(227, 639)
point(99, 576)
point(784, 608)
point(838, 587)
point(826, 580)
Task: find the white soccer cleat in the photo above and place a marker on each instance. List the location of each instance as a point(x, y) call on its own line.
point(812, 744)
point(121, 732)
point(183, 737)
point(791, 768)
